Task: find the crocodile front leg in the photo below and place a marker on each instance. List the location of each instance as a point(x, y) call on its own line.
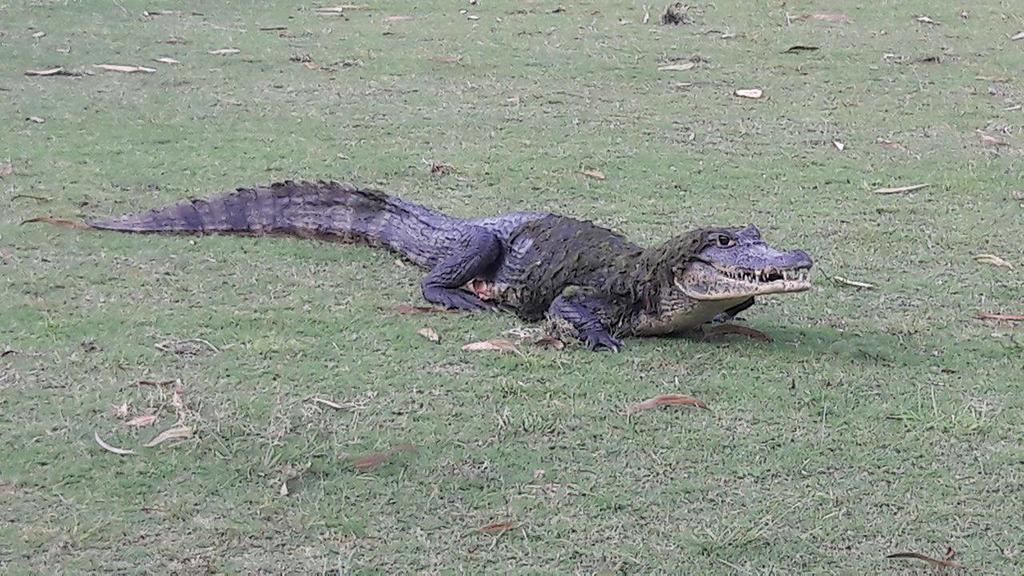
point(582, 313)
point(475, 253)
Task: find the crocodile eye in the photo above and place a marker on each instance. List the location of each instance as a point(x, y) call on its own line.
point(724, 241)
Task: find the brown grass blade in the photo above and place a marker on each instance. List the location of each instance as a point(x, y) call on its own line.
point(667, 400)
point(918, 556)
point(373, 460)
point(62, 222)
point(1000, 317)
point(141, 421)
point(410, 309)
point(429, 334)
point(124, 69)
point(497, 527)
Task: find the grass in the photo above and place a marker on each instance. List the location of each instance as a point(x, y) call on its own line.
point(878, 421)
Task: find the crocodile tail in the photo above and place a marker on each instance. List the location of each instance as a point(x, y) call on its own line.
point(326, 210)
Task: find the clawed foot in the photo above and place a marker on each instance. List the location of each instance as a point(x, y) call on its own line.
point(596, 340)
point(720, 330)
point(456, 299)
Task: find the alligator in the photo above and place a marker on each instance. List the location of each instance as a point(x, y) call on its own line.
point(591, 282)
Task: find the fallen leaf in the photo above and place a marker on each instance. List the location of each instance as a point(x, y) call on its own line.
point(947, 563)
point(926, 20)
point(410, 309)
point(472, 17)
point(174, 433)
point(283, 491)
point(36, 119)
point(121, 411)
point(429, 334)
point(826, 17)
point(109, 448)
point(141, 421)
point(593, 173)
point(993, 260)
point(186, 347)
point(549, 342)
point(39, 34)
point(676, 67)
point(675, 15)
point(398, 18)
point(752, 93)
point(125, 69)
point(497, 527)
point(157, 382)
point(273, 28)
point(799, 48)
point(167, 61)
point(901, 189)
point(447, 59)
point(839, 145)
point(1017, 36)
point(46, 72)
point(374, 460)
point(441, 169)
point(854, 283)
point(1000, 317)
point(557, 10)
point(993, 78)
point(6, 169)
point(8, 352)
point(61, 222)
point(224, 51)
point(496, 344)
point(988, 140)
point(667, 400)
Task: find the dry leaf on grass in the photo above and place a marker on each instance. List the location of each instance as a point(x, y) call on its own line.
point(123, 68)
point(374, 460)
point(45, 72)
point(141, 421)
point(1000, 317)
point(398, 18)
point(676, 67)
point(224, 51)
point(926, 20)
point(667, 400)
point(109, 448)
point(446, 59)
point(36, 119)
point(854, 283)
point(174, 433)
point(429, 334)
point(751, 93)
point(6, 169)
point(901, 189)
point(827, 18)
point(329, 403)
point(39, 34)
point(410, 309)
point(595, 174)
point(993, 260)
point(942, 564)
point(988, 140)
point(549, 342)
point(186, 347)
point(1017, 36)
point(497, 527)
point(799, 48)
point(341, 8)
point(166, 61)
point(61, 222)
point(839, 145)
point(441, 169)
point(497, 344)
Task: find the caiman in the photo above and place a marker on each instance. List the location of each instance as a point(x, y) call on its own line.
point(590, 281)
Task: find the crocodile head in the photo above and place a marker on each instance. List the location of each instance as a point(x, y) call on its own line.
point(735, 263)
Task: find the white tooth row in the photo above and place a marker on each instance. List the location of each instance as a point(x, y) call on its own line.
point(801, 274)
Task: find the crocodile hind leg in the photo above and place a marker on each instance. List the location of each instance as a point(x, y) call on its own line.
point(474, 254)
point(582, 313)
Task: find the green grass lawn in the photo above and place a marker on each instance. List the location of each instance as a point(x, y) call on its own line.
point(878, 421)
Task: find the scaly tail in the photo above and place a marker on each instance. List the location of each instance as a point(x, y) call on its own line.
point(327, 210)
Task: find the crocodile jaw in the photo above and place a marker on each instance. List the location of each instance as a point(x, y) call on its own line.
point(704, 281)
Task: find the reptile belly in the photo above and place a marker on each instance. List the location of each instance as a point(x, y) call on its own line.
point(683, 315)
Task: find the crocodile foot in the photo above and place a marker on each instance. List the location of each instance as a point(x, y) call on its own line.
point(721, 330)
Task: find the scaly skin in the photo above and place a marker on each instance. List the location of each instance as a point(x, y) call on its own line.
point(588, 280)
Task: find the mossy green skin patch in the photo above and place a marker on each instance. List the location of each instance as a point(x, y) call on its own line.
point(878, 421)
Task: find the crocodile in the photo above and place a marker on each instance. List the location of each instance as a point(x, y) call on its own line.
point(588, 281)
